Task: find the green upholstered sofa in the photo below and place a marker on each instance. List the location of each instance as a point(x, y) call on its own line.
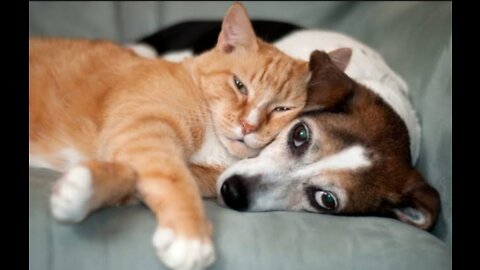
point(415, 38)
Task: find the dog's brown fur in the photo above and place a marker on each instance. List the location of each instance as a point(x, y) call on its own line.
point(353, 114)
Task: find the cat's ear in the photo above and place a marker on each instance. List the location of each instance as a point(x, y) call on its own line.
point(329, 87)
point(341, 57)
point(237, 31)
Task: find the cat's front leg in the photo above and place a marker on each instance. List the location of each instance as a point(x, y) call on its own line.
point(183, 237)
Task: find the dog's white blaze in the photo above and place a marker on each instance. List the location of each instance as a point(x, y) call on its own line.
point(352, 158)
point(249, 167)
point(212, 151)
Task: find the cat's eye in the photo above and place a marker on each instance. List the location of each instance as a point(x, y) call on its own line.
point(281, 109)
point(241, 88)
point(322, 199)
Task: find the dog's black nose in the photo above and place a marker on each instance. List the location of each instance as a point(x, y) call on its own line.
point(234, 193)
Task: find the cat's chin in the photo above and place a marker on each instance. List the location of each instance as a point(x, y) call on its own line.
point(239, 149)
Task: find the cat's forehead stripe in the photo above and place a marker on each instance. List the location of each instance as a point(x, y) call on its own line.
point(278, 73)
point(263, 70)
point(272, 69)
point(284, 80)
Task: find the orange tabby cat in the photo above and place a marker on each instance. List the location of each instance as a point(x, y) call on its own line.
point(125, 128)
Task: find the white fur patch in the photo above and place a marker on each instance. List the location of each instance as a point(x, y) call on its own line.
point(365, 63)
point(177, 56)
point(212, 151)
point(147, 51)
point(352, 158)
point(180, 253)
point(284, 179)
point(252, 118)
point(71, 197)
point(238, 132)
point(143, 50)
point(248, 167)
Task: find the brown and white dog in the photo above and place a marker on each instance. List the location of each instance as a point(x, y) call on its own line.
point(352, 152)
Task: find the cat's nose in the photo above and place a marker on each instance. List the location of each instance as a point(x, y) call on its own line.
point(247, 128)
point(234, 193)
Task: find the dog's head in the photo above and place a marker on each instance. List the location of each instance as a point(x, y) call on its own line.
point(347, 154)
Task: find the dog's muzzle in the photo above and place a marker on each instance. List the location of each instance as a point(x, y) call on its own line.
point(234, 193)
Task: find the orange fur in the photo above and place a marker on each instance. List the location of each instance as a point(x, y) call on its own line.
point(136, 122)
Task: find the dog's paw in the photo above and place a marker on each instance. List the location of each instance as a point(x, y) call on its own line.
point(180, 253)
point(72, 195)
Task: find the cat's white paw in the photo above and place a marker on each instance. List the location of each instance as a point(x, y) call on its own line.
point(182, 254)
point(72, 194)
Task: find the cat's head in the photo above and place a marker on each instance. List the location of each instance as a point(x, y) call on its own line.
point(253, 89)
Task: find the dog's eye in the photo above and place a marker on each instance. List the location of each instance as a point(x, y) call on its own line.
point(241, 88)
point(326, 199)
point(299, 139)
point(300, 135)
point(321, 199)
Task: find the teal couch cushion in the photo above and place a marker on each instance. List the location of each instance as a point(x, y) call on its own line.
point(120, 238)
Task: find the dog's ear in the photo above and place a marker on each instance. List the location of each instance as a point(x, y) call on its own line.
point(237, 31)
point(328, 86)
point(419, 203)
point(341, 57)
